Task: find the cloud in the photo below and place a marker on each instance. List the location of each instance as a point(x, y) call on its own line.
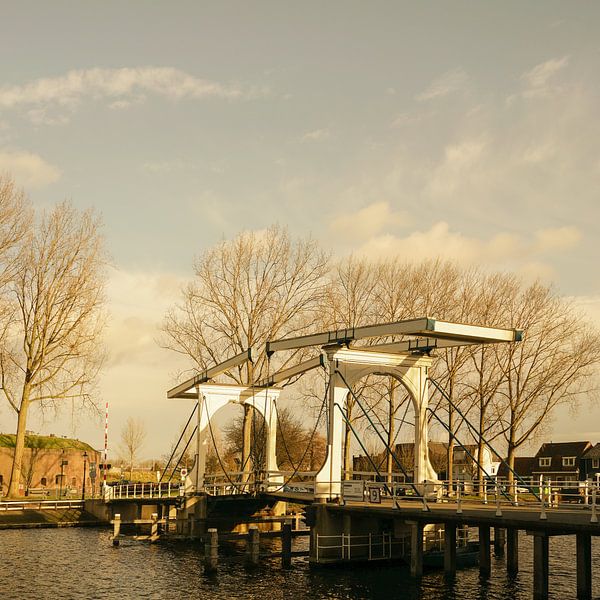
point(450, 82)
point(367, 221)
point(122, 87)
point(500, 250)
point(538, 78)
point(29, 170)
point(316, 135)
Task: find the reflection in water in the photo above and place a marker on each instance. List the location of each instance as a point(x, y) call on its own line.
point(81, 563)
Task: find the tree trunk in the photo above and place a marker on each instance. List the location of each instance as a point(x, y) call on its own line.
point(510, 459)
point(15, 474)
point(480, 449)
point(247, 466)
point(347, 437)
point(391, 433)
point(450, 451)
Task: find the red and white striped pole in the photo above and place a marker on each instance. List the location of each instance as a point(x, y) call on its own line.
point(105, 442)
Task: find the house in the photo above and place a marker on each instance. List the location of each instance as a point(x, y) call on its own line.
point(465, 467)
point(50, 464)
point(590, 463)
point(523, 467)
point(560, 461)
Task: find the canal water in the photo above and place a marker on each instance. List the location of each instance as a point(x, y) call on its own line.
point(83, 564)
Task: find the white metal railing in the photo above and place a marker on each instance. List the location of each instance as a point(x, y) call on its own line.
point(39, 504)
point(372, 546)
point(127, 491)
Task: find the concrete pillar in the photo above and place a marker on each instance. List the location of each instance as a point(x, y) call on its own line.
point(540, 566)
point(286, 545)
point(584, 566)
point(512, 554)
point(485, 564)
point(253, 547)
point(450, 549)
point(416, 549)
point(116, 529)
point(499, 540)
point(190, 528)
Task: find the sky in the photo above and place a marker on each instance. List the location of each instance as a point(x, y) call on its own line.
point(467, 130)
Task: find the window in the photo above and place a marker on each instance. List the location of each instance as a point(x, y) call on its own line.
point(595, 465)
point(74, 481)
point(1, 479)
point(568, 461)
point(57, 479)
point(44, 482)
point(545, 461)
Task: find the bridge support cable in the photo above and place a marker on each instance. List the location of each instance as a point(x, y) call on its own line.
point(478, 435)
point(388, 449)
point(389, 490)
point(312, 435)
point(234, 485)
point(471, 456)
point(178, 442)
point(184, 451)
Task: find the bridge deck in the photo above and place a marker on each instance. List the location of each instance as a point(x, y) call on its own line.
point(558, 522)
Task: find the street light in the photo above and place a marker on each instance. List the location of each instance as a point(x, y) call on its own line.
point(63, 464)
point(84, 466)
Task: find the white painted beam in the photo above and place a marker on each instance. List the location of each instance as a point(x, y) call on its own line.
point(187, 388)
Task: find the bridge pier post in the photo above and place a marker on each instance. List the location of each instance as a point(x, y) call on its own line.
point(540, 565)
point(584, 566)
point(450, 549)
point(211, 551)
point(416, 549)
point(512, 551)
point(253, 548)
point(116, 529)
point(154, 527)
point(499, 541)
point(286, 545)
point(485, 563)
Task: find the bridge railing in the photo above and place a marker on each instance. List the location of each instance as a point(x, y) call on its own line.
point(553, 493)
point(9, 505)
point(127, 491)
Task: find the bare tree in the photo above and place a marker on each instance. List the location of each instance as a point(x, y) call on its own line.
point(256, 287)
point(133, 436)
point(51, 352)
point(554, 365)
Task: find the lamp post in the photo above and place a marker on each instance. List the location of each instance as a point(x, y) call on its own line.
point(84, 466)
point(63, 464)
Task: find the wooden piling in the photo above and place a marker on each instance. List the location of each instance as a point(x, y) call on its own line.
point(416, 549)
point(450, 549)
point(499, 541)
point(540, 566)
point(154, 528)
point(286, 545)
point(485, 563)
point(116, 529)
point(211, 551)
point(584, 566)
point(253, 547)
point(512, 551)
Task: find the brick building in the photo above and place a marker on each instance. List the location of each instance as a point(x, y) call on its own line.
point(42, 460)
